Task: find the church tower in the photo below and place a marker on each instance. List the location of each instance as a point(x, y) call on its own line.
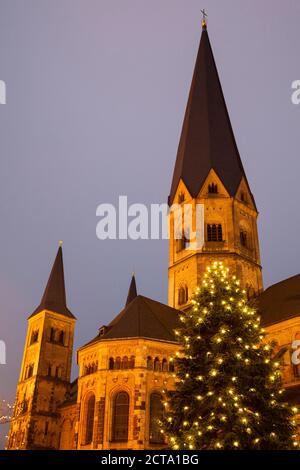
point(44, 381)
point(209, 174)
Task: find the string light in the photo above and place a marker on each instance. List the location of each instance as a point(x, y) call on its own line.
point(210, 361)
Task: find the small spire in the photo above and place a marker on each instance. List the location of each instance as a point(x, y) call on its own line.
point(132, 292)
point(60, 243)
point(204, 16)
point(54, 297)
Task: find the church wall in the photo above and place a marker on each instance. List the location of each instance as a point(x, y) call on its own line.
point(138, 383)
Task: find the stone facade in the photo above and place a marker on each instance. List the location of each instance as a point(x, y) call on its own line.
point(44, 382)
point(235, 215)
point(142, 378)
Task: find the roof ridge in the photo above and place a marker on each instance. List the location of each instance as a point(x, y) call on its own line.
point(282, 281)
point(153, 313)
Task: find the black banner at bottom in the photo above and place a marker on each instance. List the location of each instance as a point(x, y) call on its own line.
point(139, 459)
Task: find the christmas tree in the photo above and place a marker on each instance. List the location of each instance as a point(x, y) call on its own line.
point(228, 391)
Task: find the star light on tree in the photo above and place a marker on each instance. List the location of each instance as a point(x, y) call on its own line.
point(228, 391)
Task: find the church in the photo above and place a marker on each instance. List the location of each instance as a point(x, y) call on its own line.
point(124, 370)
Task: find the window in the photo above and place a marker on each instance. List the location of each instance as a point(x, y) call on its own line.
point(34, 337)
point(49, 373)
point(164, 365)
point(29, 371)
point(89, 419)
point(118, 363)
point(214, 233)
point(243, 196)
point(102, 330)
point(182, 243)
point(213, 188)
point(132, 362)
point(120, 417)
point(125, 363)
point(157, 365)
point(111, 363)
point(149, 363)
point(156, 413)
point(46, 428)
point(52, 335)
point(183, 295)
point(181, 198)
point(243, 238)
point(61, 338)
point(171, 366)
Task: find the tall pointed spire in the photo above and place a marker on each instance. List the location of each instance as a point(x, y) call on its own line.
point(207, 140)
point(132, 292)
point(54, 297)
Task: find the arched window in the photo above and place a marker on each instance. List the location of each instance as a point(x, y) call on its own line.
point(164, 365)
point(111, 363)
point(149, 363)
point(183, 295)
point(118, 363)
point(52, 335)
point(61, 338)
point(125, 363)
point(156, 413)
point(89, 419)
point(120, 417)
point(171, 366)
point(157, 364)
point(132, 362)
point(49, 372)
point(244, 238)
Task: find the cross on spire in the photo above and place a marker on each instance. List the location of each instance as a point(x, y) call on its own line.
point(204, 17)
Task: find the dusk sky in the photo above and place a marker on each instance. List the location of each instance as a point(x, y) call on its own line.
point(96, 94)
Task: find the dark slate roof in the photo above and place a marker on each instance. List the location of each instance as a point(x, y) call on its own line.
point(280, 301)
point(54, 297)
point(207, 140)
point(142, 318)
point(132, 292)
